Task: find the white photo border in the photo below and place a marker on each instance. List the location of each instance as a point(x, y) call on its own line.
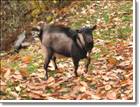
point(134, 101)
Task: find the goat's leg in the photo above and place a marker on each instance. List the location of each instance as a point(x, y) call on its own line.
point(48, 57)
point(54, 62)
point(76, 64)
point(88, 62)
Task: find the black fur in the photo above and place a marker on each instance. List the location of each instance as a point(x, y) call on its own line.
point(67, 42)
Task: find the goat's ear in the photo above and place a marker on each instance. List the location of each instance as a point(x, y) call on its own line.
point(94, 27)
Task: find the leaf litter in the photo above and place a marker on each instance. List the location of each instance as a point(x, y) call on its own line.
point(111, 71)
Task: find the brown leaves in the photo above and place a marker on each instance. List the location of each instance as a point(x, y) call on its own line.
point(16, 76)
point(111, 95)
point(36, 90)
point(110, 75)
point(50, 82)
point(7, 74)
point(125, 65)
point(15, 95)
point(24, 72)
point(16, 57)
point(3, 86)
point(26, 59)
point(109, 78)
point(36, 95)
point(107, 87)
point(112, 61)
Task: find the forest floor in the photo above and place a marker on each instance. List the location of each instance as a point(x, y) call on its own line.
point(110, 75)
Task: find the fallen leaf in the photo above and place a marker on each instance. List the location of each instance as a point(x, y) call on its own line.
point(14, 94)
point(125, 67)
point(32, 86)
point(18, 88)
point(111, 95)
point(50, 79)
point(7, 74)
point(89, 78)
point(119, 58)
point(16, 57)
point(82, 96)
point(24, 72)
point(112, 61)
point(106, 78)
point(65, 97)
point(26, 59)
point(74, 91)
point(3, 70)
point(52, 98)
point(36, 94)
point(107, 87)
point(95, 97)
point(50, 82)
point(82, 89)
point(124, 97)
point(126, 82)
point(16, 77)
point(83, 83)
point(3, 86)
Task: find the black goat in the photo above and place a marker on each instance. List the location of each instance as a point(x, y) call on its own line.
point(58, 39)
